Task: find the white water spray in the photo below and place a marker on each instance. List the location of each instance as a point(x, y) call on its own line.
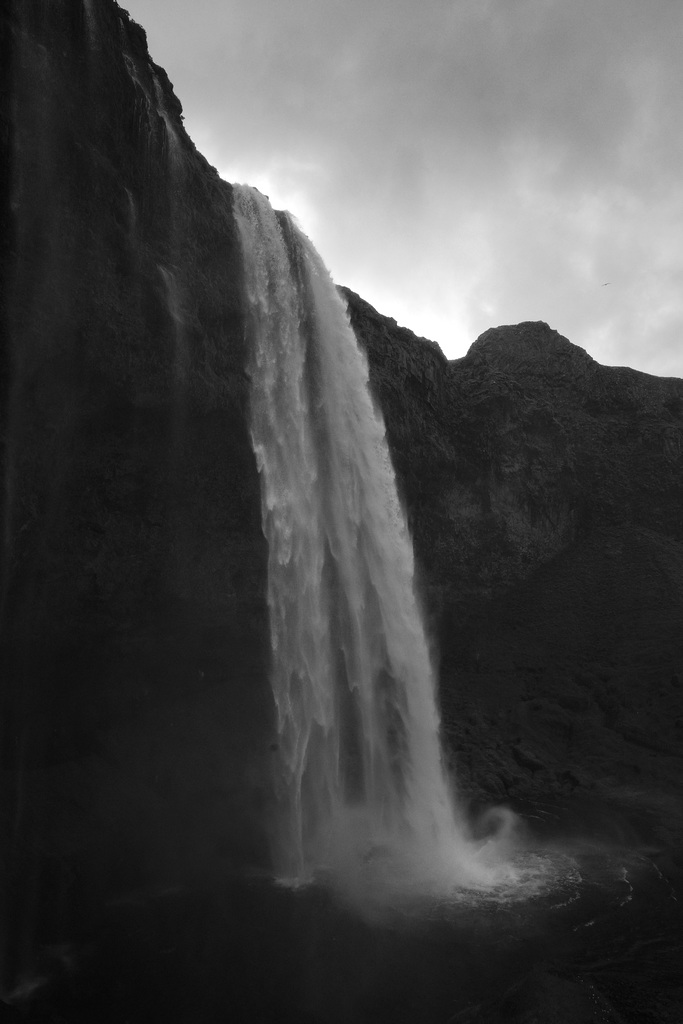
point(175, 149)
point(364, 787)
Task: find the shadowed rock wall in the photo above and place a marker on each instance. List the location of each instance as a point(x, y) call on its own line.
point(545, 494)
point(135, 709)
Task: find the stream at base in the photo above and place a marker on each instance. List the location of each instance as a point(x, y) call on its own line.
point(603, 930)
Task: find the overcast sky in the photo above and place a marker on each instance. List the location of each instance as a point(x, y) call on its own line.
point(459, 163)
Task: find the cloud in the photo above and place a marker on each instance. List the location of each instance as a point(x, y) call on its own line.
point(459, 162)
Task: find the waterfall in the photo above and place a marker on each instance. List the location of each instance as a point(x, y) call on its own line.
point(360, 762)
point(179, 339)
point(90, 24)
point(175, 150)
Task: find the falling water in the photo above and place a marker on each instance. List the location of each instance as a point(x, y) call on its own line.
point(179, 340)
point(90, 23)
point(174, 147)
point(360, 759)
point(132, 213)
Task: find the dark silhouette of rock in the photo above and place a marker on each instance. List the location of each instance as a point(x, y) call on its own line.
point(135, 706)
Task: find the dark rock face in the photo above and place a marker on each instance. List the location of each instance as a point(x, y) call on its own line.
point(135, 708)
point(544, 493)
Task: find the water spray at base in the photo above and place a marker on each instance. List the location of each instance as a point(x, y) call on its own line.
point(362, 785)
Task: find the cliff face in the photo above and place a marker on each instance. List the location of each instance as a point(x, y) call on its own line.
point(544, 492)
point(134, 690)
point(545, 495)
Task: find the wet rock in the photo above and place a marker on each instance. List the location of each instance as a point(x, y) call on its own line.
point(525, 759)
point(545, 998)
